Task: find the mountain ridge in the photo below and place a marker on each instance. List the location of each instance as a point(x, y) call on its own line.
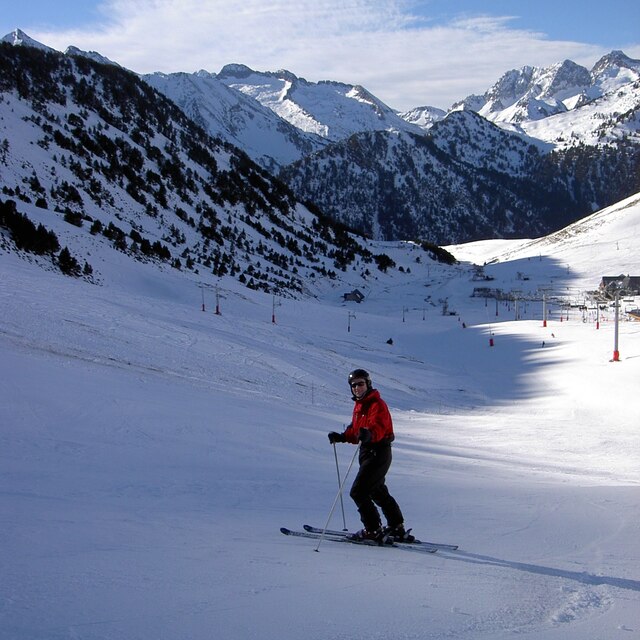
point(295, 129)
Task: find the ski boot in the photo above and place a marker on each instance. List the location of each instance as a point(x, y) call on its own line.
point(399, 534)
point(378, 536)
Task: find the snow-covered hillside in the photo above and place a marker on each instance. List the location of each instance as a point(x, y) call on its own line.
point(96, 146)
point(150, 450)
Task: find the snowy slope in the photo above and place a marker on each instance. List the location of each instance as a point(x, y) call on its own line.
point(608, 235)
point(149, 451)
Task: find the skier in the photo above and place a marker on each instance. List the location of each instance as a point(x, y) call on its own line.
point(372, 427)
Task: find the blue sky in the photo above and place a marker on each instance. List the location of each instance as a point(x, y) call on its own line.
point(408, 53)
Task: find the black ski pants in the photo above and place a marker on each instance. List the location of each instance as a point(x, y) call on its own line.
point(369, 488)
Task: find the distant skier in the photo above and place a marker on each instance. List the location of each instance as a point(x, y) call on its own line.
point(371, 425)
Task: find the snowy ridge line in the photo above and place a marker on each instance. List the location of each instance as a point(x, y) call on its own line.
point(342, 534)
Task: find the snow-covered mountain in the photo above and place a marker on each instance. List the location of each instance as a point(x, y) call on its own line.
point(476, 142)
point(535, 93)
point(467, 178)
point(581, 129)
point(332, 110)
point(236, 117)
point(315, 134)
point(441, 187)
point(276, 118)
point(612, 117)
point(424, 117)
point(19, 38)
point(92, 55)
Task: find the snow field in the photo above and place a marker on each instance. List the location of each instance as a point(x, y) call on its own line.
point(149, 453)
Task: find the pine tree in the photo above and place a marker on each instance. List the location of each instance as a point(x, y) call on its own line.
point(68, 264)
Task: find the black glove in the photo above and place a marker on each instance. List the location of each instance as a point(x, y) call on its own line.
point(364, 436)
point(334, 437)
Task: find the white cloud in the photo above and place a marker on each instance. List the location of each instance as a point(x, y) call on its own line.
point(403, 60)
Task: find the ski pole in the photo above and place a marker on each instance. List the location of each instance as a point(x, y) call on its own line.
point(333, 506)
point(344, 521)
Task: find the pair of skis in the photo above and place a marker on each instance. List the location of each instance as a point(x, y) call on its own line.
point(344, 536)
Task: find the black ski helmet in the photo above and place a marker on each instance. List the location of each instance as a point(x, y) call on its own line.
point(360, 374)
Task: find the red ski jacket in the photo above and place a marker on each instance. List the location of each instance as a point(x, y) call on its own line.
point(370, 413)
